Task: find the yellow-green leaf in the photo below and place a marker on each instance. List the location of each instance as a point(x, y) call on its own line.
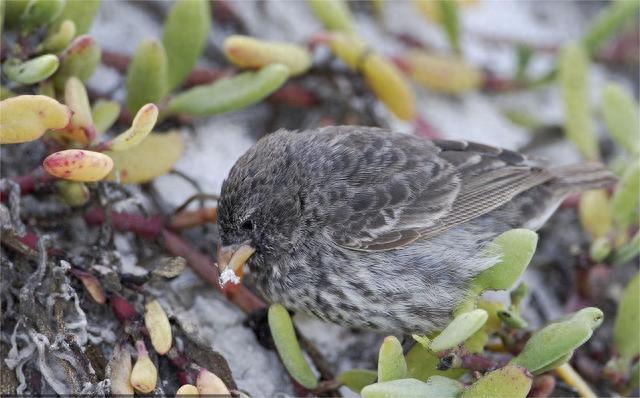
point(357, 379)
point(40, 12)
point(153, 157)
point(574, 81)
point(284, 337)
point(188, 22)
point(140, 127)
point(514, 248)
point(622, 117)
point(27, 117)
point(555, 341)
point(81, 127)
point(624, 204)
point(333, 14)
point(389, 85)
point(422, 364)
point(510, 381)
point(146, 76)
point(226, 95)
point(440, 387)
point(626, 328)
point(457, 331)
point(31, 71)
point(594, 211)
point(59, 39)
point(348, 48)
point(449, 20)
point(13, 9)
point(609, 21)
point(81, 12)
point(391, 363)
point(443, 74)
point(104, 114)
point(248, 52)
point(73, 193)
point(80, 59)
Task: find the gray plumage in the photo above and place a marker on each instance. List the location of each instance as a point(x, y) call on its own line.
point(380, 230)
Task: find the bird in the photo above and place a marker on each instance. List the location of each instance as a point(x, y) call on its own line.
point(379, 230)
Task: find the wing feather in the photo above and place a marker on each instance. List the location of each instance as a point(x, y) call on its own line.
point(403, 188)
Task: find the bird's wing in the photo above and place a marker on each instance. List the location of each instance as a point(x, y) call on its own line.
point(401, 189)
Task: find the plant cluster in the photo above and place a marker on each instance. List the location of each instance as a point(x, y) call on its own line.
point(54, 293)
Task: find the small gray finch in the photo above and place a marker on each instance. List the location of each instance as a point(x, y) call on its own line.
point(373, 229)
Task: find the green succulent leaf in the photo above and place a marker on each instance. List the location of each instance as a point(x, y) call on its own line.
point(621, 116)
point(600, 249)
point(31, 71)
point(2, 12)
point(514, 248)
point(461, 328)
point(624, 204)
point(574, 81)
point(422, 364)
point(510, 381)
point(609, 22)
point(627, 252)
point(13, 9)
point(188, 22)
point(334, 15)
point(227, 95)
point(104, 114)
point(557, 340)
point(284, 337)
point(391, 363)
point(357, 379)
point(81, 12)
point(444, 386)
point(449, 20)
point(80, 59)
point(555, 364)
point(423, 340)
point(73, 193)
point(518, 294)
point(512, 319)
point(413, 388)
point(146, 76)
point(40, 12)
point(627, 324)
point(59, 39)
point(476, 342)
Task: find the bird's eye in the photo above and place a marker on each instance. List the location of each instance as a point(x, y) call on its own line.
point(247, 225)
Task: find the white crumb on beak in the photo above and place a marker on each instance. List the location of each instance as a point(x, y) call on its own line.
point(228, 276)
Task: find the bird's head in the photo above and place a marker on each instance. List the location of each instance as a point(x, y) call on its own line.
point(261, 209)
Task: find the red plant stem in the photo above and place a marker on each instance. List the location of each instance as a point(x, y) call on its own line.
point(192, 218)
point(542, 386)
point(295, 95)
point(206, 75)
point(147, 227)
point(117, 61)
point(29, 182)
point(476, 362)
point(122, 309)
point(120, 63)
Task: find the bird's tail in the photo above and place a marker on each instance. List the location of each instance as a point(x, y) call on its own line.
point(576, 178)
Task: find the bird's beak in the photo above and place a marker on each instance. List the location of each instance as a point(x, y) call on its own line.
point(233, 257)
